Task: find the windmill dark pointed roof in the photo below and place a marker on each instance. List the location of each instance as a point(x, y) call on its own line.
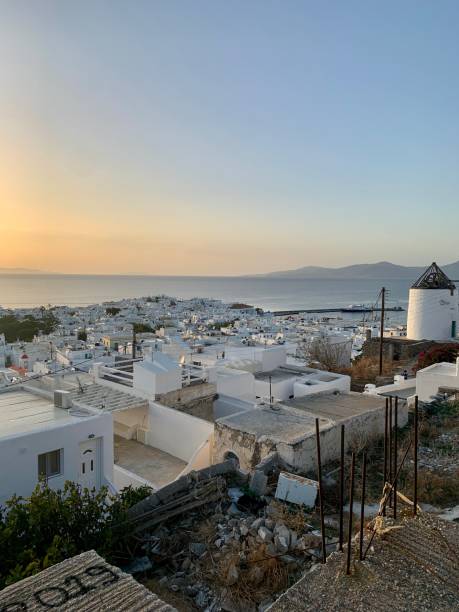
point(433, 278)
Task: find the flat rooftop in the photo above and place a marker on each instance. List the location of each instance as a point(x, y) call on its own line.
point(402, 394)
point(21, 412)
point(337, 407)
point(445, 369)
point(294, 420)
point(148, 462)
point(287, 372)
point(277, 375)
point(279, 423)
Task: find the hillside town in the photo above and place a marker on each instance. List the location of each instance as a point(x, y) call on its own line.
point(236, 434)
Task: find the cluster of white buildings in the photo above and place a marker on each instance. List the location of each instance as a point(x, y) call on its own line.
point(199, 381)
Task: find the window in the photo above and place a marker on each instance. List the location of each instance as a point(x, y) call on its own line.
point(49, 464)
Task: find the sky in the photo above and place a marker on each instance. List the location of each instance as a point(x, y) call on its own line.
point(227, 137)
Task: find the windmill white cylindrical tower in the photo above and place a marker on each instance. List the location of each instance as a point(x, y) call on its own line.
point(433, 309)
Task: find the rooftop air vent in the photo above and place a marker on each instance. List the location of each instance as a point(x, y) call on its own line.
point(62, 399)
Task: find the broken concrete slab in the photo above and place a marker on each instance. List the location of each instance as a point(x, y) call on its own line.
point(258, 483)
point(297, 489)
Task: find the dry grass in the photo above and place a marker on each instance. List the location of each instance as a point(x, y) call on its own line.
point(243, 571)
point(438, 489)
point(368, 368)
point(293, 517)
point(249, 576)
point(176, 600)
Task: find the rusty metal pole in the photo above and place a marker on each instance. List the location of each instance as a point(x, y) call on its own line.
point(416, 417)
point(362, 505)
point(395, 454)
point(351, 506)
point(390, 449)
point(321, 494)
point(341, 493)
point(386, 416)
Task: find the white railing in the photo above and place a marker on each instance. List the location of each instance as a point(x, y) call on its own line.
point(191, 372)
point(118, 376)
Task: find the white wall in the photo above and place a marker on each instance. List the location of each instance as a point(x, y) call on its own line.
point(126, 422)
point(124, 478)
point(272, 357)
point(364, 426)
point(392, 388)
point(281, 389)
point(341, 383)
point(202, 457)
point(438, 375)
point(235, 383)
point(19, 454)
point(155, 377)
point(175, 432)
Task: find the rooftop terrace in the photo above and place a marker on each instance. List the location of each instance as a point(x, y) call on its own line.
point(150, 463)
point(336, 407)
point(21, 412)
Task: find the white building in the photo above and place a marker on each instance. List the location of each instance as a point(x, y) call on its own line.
point(433, 307)
point(437, 379)
point(39, 438)
point(157, 374)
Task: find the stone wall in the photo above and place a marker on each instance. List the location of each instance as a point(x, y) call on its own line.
point(396, 349)
point(301, 456)
point(245, 446)
point(196, 400)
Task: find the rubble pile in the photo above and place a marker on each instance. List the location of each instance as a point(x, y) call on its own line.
point(235, 555)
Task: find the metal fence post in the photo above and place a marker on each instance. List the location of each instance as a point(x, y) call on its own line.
point(362, 504)
point(341, 493)
point(321, 494)
point(351, 507)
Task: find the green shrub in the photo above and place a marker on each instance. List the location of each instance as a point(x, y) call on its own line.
point(25, 329)
point(50, 526)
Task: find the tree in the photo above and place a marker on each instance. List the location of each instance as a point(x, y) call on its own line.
point(25, 329)
point(321, 353)
point(112, 311)
point(142, 328)
point(82, 335)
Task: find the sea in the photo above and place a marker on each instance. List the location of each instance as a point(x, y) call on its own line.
point(28, 290)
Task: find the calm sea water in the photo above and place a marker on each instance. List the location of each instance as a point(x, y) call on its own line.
point(23, 290)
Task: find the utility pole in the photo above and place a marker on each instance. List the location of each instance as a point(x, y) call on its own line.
point(381, 333)
point(134, 341)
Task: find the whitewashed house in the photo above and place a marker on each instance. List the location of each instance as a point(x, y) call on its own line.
point(40, 437)
point(439, 379)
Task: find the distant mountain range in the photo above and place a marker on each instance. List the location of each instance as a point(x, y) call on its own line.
point(19, 271)
point(380, 270)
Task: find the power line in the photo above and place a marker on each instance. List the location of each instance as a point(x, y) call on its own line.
point(39, 376)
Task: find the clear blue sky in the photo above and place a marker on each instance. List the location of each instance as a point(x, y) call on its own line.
point(207, 137)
